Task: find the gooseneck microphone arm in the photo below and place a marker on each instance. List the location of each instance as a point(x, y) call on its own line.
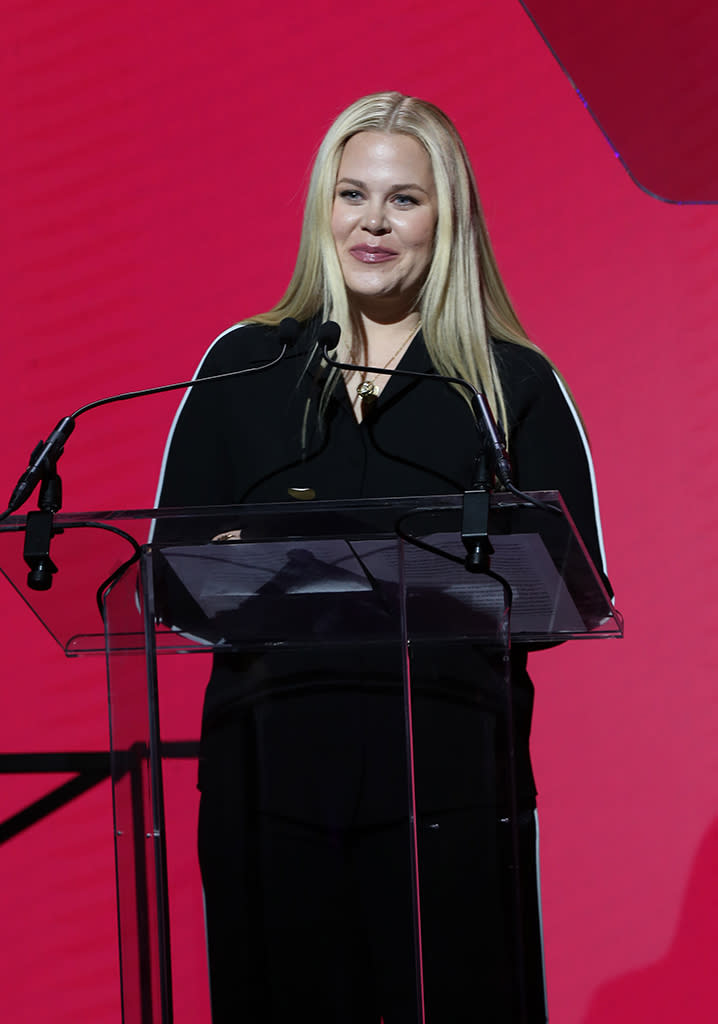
point(39, 525)
point(475, 522)
point(43, 460)
point(329, 334)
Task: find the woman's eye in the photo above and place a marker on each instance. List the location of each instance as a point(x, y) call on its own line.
point(352, 194)
point(405, 201)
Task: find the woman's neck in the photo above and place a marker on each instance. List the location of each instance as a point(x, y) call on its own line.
point(375, 340)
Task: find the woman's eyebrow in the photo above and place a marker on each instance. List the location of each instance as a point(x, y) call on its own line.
point(392, 188)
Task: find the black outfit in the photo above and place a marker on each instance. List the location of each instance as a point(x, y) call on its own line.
point(305, 864)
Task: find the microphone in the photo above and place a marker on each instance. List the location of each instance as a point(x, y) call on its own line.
point(328, 338)
point(289, 331)
point(43, 458)
point(45, 454)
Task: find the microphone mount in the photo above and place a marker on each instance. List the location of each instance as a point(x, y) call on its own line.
point(40, 528)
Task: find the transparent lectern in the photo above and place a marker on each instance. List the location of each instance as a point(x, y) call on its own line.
point(349, 583)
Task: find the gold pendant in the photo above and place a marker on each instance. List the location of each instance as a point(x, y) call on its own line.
point(367, 389)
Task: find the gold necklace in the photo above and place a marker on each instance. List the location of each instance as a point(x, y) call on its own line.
point(367, 389)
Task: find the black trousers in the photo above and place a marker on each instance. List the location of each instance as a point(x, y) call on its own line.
point(316, 919)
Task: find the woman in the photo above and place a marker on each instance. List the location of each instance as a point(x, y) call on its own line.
point(303, 823)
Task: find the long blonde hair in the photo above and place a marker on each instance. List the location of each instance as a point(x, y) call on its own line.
point(463, 302)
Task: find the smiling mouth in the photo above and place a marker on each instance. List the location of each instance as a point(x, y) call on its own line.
point(369, 254)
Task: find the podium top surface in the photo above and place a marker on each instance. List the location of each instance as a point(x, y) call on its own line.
point(347, 551)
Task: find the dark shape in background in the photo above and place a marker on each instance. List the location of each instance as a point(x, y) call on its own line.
point(88, 768)
point(647, 72)
point(681, 985)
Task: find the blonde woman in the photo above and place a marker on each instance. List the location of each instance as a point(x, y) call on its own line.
point(303, 824)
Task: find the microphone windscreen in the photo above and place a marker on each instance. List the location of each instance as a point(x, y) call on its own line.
point(289, 331)
point(329, 334)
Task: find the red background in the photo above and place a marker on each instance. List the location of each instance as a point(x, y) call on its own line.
point(152, 184)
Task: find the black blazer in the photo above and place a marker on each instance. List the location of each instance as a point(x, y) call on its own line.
point(317, 722)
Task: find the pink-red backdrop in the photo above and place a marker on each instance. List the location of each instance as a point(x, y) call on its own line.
point(152, 177)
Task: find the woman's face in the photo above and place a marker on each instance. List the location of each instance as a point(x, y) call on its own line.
point(383, 221)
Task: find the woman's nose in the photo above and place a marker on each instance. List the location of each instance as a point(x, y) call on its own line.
point(375, 220)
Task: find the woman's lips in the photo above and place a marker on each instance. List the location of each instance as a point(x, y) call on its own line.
point(369, 254)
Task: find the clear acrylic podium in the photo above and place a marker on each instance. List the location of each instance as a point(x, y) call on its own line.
point(378, 580)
